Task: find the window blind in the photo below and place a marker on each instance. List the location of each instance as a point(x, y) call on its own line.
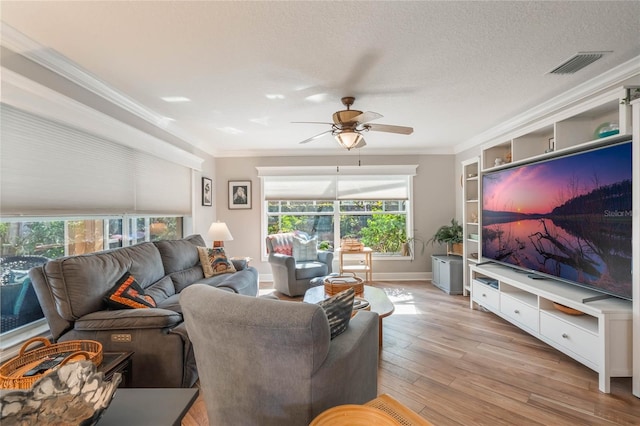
point(337, 183)
point(373, 187)
point(48, 168)
point(299, 188)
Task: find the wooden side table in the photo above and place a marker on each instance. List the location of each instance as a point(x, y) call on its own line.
point(366, 266)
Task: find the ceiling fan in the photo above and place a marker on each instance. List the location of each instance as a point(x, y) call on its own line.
point(349, 124)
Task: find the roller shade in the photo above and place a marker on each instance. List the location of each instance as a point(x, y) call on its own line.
point(333, 183)
point(48, 168)
point(300, 188)
point(373, 187)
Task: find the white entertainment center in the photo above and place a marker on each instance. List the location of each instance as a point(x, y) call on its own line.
point(600, 334)
point(599, 339)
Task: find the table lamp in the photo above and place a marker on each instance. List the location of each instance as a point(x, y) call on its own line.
point(219, 233)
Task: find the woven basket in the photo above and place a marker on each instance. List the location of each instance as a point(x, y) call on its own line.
point(12, 372)
point(351, 244)
point(336, 284)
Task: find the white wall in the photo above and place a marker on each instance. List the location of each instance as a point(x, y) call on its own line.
point(434, 190)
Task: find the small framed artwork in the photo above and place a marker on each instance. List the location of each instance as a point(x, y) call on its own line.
point(207, 192)
point(239, 194)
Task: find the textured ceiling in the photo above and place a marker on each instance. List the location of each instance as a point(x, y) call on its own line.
point(449, 69)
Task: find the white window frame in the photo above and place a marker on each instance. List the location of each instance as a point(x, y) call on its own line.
point(296, 172)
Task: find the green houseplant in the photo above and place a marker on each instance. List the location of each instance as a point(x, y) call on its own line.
point(451, 235)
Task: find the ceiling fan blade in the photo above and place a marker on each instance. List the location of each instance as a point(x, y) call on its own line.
point(390, 129)
point(319, 135)
point(366, 117)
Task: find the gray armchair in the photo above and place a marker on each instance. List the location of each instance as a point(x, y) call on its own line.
point(271, 362)
point(290, 276)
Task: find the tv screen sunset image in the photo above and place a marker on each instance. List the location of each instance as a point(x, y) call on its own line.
point(568, 217)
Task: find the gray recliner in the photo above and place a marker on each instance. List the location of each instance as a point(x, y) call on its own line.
point(290, 276)
point(271, 362)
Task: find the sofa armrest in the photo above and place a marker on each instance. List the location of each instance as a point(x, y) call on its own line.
point(326, 257)
point(282, 260)
point(128, 319)
point(239, 264)
point(283, 268)
point(241, 282)
point(353, 356)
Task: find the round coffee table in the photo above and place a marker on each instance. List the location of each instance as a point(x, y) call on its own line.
point(377, 298)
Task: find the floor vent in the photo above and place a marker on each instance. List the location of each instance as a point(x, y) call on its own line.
point(577, 62)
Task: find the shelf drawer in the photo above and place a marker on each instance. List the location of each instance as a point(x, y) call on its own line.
point(571, 337)
point(519, 312)
point(485, 295)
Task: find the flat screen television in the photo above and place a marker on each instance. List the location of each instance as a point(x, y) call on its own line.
point(568, 218)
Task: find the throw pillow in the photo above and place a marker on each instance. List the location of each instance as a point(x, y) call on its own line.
point(128, 294)
point(305, 250)
point(214, 261)
point(338, 309)
point(281, 243)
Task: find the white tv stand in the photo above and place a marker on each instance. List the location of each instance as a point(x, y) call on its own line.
point(599, 339)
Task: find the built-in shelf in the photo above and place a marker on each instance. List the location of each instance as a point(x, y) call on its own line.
point(571, 130)
point(471, 215)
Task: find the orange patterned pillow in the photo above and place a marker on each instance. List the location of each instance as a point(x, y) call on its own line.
point(128, 294)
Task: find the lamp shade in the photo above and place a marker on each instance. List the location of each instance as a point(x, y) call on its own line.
point(218, 232)
point(349, 139)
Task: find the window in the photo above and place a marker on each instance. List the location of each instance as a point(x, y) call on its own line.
point(25, 244)
point(381, 225)
point(368, 203)
point(312, 217)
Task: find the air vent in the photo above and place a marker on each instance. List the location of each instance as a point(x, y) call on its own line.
point(577, 62)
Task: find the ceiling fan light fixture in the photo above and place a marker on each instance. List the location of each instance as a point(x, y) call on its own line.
point(349, 139)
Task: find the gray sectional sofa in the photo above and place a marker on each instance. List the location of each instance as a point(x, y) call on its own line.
point(71, 291)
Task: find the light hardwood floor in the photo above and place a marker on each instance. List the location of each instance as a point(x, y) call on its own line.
point(456, 366)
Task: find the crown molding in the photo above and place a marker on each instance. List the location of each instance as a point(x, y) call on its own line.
point(607, 80)
point(59, 64)
point(27, 95)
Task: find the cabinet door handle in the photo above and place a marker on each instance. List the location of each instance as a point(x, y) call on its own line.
point(484, 295)
point(565, 336)
point(516, 311)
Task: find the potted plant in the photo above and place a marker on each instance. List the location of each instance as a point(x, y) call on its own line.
point(451, 235)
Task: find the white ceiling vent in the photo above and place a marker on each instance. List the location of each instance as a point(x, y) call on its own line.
point(577, 62)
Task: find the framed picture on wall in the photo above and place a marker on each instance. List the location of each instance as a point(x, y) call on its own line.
point(207, 192)
point(239, 194)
